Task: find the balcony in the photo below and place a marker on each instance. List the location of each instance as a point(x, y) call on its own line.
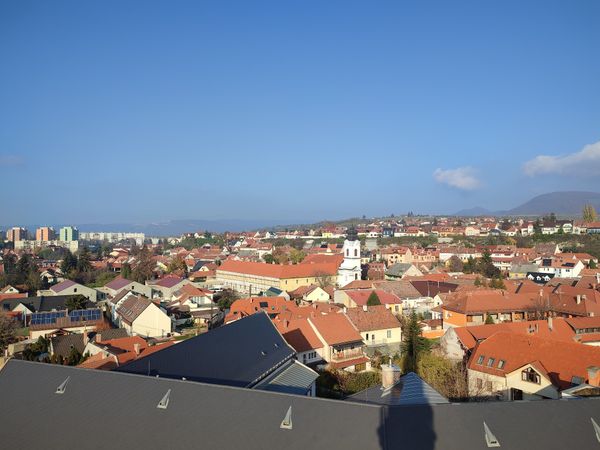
point(346, 354)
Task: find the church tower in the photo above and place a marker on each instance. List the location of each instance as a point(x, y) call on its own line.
point(350, 269)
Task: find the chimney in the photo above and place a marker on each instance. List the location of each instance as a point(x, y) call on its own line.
point(98, 337)
point(345, 310)
point(578, 299)
point(597, 277)
point(594, 375)
point(365, 308)
point(550, 324)
point(136, 348)
point(390, 375)
point(86, 338)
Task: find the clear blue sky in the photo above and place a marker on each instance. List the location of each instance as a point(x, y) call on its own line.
point(115, 111)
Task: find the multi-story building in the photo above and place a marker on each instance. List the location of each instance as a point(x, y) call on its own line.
point(69, 234)
point(112, 237)
point(45, 234)
point(16, 234)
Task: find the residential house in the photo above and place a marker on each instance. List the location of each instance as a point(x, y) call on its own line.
point(343, 346)
point(513, 366)
point(69, 287)
point(379, 328)
point(248, 353)
point(139, 316)
point(273, 306)
point(353, 298)
point(113, 287)
point(400, 270)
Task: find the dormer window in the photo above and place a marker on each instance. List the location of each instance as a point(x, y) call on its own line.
point(501, 364)
point(531, 376)
point(491, 362)
point(480, 359)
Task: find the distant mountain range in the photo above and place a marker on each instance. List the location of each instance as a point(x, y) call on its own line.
point(567, 203)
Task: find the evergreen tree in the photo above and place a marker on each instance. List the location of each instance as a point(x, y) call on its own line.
point(126, 271)
point(373, 299)
point(413, 344)
point(489, 320)
point(69, 263)
point(83, 262)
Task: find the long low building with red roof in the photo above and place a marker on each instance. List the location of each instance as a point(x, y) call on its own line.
point(254, 277)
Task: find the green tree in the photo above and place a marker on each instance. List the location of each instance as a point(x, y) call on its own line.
point(177, 264)
point(226, 299)
point(455, 264)
point(268, 258)
point(126, 271)
point(413, 345)
point(75, 302)
point(592, 264)
point(84, 261)
point(373, 299)
point(296, 256)
point(69, 263)
point(589, 214)
point(74, 357)
point(489, 320)
point(8, 328)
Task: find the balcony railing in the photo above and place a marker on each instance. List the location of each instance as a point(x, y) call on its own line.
point(347, 354)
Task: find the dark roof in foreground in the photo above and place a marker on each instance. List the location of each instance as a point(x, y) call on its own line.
point(222, 417)
point(237, 354)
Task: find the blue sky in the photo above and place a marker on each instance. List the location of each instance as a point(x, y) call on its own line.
point(303, 110)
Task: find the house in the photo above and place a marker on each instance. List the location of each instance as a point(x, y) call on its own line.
point(139, 316)
point(300, 335)
point(26, 306)
point(512, 366)
point(352, 298)
point(400, 270)
point(69, 287)
point(263, 419)
point(113, 287)
point(379, 328)
point(108, 354)
point(77, 321)
point(247, 353)
point(457, 343)
point(166, 287)
point(310, 294)
point(273, 306)
point(560, 267)
point(343, 346)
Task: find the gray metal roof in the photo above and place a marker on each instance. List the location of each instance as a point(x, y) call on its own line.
point(200, 415)
point(410, 390)
point(241, 353)
point(296, 378)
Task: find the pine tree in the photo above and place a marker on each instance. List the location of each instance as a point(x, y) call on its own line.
point(414, 344)
point(373, 299)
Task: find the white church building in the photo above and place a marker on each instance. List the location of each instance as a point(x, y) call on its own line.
point(350, 269)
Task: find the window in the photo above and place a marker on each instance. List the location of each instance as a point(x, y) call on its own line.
point(389, 334)
point(576, 381)
point(367, 336)
point(531, 376)
point(355, 252)
point(479, 383)
point(360, 367)
point(501, 364)
point(480, 359)
point(491, 362)
point(488, 385)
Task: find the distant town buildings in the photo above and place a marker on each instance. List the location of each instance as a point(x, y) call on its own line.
point(69, 234)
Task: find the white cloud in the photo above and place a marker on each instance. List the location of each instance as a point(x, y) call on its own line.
point(583, 162)
point(10, 160)
point(463, 178)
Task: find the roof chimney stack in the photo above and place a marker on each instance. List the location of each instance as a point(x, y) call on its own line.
point(365, 308)
point(136, 348)
point(390, 375)
point(594, 375)
point(578, 299)
point(550, 324)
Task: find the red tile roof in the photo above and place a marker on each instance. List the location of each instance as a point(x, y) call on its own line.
point(360, 297)
point(562, 361)
point(374, 318)
point(299, 334)
point(279, 271)
point(335, 328)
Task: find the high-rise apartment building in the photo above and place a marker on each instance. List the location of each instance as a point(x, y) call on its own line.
point(69, 234)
